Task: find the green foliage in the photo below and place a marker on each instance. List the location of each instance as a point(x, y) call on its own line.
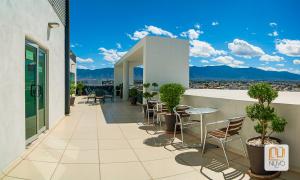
point(72, 89)
point(261, 112)
point(146, 85)
point(133, 92)
point(171, 94)
point(80, 87)
point(147, 94)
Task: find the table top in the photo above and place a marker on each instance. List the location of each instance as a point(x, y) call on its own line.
point(203, 110)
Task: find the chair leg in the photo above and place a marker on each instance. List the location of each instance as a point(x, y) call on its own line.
point(181, 129)
point(244, 150)
point(153, 117)
point(204, 142)
point(148, 116)
point(174, 132)
point(224, 152)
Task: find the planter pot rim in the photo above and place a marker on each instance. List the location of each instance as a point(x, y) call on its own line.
point(258, 137)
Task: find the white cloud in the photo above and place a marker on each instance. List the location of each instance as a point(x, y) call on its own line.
point(203, 49)
point(75, 45)
point(137, 35)
point(228, 60)
point(215, 23)
point(244, 49)
point(119, 46)
point(269, 68)
point(159, 31)
point(87, 60)
point(191, 34)
point(296, 61)
point(288, 47)
point(81, 67)
point(205, 61)
point(267, 57)
point(273, 24)
point(111, 55)
point(197, 26)
point(274, 34)
point(280, 65)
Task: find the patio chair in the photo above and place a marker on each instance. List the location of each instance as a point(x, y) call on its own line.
point(183, 120)
point(90, 95)
point(150, 109)
point(99, 95)
point(159, 110)
point(227, 133)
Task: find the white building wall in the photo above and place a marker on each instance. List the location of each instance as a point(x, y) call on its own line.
point(235, 104)
point(18, 20)
point(166, 60)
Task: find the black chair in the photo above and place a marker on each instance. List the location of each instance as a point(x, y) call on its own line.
point(99, 94)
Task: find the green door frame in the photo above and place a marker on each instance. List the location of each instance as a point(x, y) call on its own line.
point(37, 89)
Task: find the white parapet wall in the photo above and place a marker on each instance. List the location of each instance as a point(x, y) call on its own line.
point(232, 103)
point(20, 20)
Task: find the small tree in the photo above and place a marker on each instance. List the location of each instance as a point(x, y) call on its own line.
point(72, 89)
point(267, 119)
point(147, 94)
point(171, 94)
point(80, 87)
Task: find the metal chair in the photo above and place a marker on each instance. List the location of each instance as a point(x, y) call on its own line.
point(183, 119)
point(90, 94)
point(159, 111)
point(150, 109)
point(229, 132)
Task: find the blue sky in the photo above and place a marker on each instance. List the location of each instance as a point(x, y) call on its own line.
point(249, 33)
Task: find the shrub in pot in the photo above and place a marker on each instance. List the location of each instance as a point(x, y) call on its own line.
point(80, 87)
point(267, 122)
point(72, 94)
point(133, 93)
point(170, 94)
point(148, 95)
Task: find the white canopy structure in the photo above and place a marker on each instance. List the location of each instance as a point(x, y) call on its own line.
point(164, 60)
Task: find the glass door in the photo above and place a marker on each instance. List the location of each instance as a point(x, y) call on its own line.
point(35, 91)
point(30, 90)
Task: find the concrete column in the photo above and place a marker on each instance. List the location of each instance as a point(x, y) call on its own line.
point(131, 74)
point(118, 76)
point(125, 80)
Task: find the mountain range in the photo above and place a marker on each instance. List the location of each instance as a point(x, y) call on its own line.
point(202, 73)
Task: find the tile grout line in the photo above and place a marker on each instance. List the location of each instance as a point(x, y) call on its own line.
point(135, 153)
point(39, 141)
point(98, 143)
point(59, 161)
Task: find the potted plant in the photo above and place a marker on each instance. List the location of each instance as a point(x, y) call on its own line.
point(118, 90)
point(72, 94)
point(267, 122)
point(133, 93)
point(148, 95)
point(80, 87)
point(171, 94)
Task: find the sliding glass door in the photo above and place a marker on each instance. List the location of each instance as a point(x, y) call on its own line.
point(35, 90)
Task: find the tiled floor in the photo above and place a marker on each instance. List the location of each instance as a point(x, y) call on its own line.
point(106, 142)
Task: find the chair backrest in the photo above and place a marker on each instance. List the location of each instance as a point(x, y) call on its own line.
point(179, 110)
point(234, 125)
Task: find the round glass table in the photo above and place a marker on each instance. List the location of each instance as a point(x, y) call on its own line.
point(201, 111)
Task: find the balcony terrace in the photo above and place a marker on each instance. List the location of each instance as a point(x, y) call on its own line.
point(110, 141)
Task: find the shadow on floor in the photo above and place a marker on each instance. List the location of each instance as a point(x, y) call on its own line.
point(118, 111)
